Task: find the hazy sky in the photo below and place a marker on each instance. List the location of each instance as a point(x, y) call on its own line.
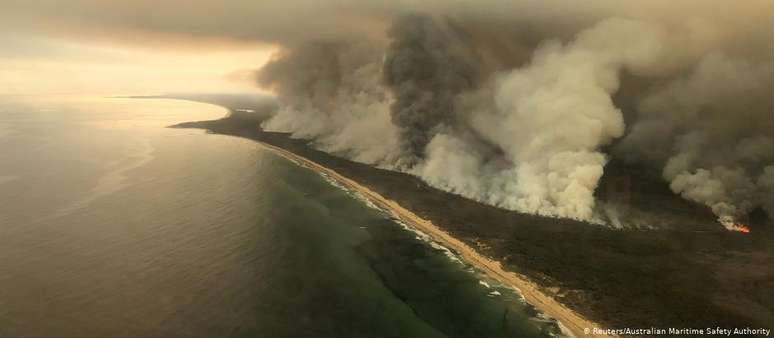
point(32, 65)
point(46, 48)
point(148, 46)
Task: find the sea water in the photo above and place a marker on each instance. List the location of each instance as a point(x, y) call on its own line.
point(112, 225)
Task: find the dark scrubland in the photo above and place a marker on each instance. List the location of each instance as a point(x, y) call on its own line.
point(677, 268)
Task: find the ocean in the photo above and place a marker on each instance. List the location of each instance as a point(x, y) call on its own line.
point(112, 225)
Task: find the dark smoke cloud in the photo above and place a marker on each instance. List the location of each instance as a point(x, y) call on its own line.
point(427, 64)
point(480, 100)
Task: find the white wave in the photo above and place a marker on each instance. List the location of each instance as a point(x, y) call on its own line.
point(451, 255)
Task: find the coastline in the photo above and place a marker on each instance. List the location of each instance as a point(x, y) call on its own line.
point(621, 278)
point(568, 319)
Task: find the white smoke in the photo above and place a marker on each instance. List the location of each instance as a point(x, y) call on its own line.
point(718, 120)
point(550, 119)
point(532, 137)
point(338, 101)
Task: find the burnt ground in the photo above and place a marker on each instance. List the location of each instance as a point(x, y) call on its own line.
point(686, 271)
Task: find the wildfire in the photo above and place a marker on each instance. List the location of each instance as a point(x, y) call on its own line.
point(732, 225)
point(740, 228)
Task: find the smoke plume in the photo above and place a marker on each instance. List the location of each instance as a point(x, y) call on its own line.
point(549, 120)
point(331, 92)
point(426, 65)
point(716, 126)
point(515, 105)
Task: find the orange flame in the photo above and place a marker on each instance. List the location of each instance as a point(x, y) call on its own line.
point(740, 228)
point(732, 225)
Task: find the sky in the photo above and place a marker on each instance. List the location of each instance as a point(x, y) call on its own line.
point(144, 46)
point(43, 52)
point(32, 65)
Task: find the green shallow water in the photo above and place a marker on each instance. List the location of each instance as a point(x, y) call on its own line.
point(113, 226)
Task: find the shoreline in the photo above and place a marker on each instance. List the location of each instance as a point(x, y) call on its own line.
point(567, 318)
point(612, 278)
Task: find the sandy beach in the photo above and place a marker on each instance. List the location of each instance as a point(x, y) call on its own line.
point(571, 321)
